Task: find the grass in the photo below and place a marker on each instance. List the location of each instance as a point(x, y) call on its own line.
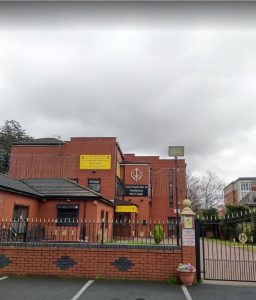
point(246, 246)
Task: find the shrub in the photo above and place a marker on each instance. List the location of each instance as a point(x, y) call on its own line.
point(158, 233)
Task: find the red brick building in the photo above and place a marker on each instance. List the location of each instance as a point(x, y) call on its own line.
point(145, 183)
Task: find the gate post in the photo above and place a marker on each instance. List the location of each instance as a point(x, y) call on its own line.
point(188, 234)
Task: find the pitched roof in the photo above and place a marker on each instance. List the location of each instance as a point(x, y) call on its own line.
point(49, 188)
point(59, 187)
point(11, 184)
point(41, 141)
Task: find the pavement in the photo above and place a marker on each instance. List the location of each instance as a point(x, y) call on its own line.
point(52, 288)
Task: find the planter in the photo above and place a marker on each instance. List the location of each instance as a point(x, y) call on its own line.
point(187, 277)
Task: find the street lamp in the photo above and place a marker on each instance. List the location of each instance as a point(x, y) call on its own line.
point(176, 151)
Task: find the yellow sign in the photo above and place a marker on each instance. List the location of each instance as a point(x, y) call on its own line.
point(188, 222)
point(127, 208)
point(95, 162)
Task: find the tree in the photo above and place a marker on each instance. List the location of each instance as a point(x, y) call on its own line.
point(212, 190)
point(10, 132)
point(210, 212)
point(193, 190)
point(236, 209)
point(204, 192)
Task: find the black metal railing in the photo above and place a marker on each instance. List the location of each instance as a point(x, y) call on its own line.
point(89, 231)
point(228, 247)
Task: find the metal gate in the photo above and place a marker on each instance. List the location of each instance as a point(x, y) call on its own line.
point(226, 248)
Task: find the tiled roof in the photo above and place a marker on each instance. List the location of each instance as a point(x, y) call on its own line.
point(42, 141)
point(49, 188)
point(59, 187)
point(10, 184)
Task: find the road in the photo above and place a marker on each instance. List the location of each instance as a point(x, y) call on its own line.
point(45, 288)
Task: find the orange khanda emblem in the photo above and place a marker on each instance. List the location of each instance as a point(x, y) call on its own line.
point(136, 174)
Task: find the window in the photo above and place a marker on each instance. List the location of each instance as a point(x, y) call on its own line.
point(172, 223)
point(171, 179)
point(20, 214)
point(67, 214)
point(119, 188)
point(245, 186)
point(101, 214)
point(106, 220)
point(94, 184)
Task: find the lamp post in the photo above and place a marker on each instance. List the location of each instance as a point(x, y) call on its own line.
point(177, 151)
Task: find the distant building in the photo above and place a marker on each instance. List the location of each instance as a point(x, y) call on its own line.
point(221, 209)
point(237, 190)
point(249, 200)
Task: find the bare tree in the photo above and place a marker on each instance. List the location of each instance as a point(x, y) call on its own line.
point(193, 190)
point(212, 190)
point(204, 192)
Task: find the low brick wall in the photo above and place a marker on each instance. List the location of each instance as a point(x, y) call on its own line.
point(90, 260)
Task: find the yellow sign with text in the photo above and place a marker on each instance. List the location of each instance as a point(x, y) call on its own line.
point(95, 162)
point(126, 208)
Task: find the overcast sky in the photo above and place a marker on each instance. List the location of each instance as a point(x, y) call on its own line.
point(152, 75)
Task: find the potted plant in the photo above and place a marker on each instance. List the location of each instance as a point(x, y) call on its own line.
point(186, 273)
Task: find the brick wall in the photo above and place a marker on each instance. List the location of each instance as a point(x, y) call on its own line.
point(8, 200)
point(90, 261)
point(63, 162)
point(161, 209)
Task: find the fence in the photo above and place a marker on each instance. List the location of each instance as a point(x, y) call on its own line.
point(228, 247)
point(89, 231)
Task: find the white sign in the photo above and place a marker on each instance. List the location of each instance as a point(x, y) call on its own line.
point(136, 174)
point(188, 237)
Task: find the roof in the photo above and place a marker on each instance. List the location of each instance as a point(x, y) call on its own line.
point(41, 141)
point(240, 179)
point(247, 199)
point(11, 184)
point(49, 188)
point(59, 187)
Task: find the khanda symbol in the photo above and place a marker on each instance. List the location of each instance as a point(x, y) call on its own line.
point(136, 174)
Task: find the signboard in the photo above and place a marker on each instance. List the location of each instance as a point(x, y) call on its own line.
point(187, 221)
point(126, 208)
point(188, 237)
point(136, 190)
point(176, 150)
point(95, 162)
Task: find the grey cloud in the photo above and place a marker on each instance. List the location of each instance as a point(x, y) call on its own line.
point(150, 86)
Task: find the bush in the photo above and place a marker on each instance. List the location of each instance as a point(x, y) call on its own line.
point(158, 233)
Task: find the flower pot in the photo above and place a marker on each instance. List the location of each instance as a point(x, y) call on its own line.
point(187, 277)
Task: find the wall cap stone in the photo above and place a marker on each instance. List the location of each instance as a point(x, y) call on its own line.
point(88, 245)
point(187, 211)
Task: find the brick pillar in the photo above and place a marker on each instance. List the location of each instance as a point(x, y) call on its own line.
point(188, 234)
